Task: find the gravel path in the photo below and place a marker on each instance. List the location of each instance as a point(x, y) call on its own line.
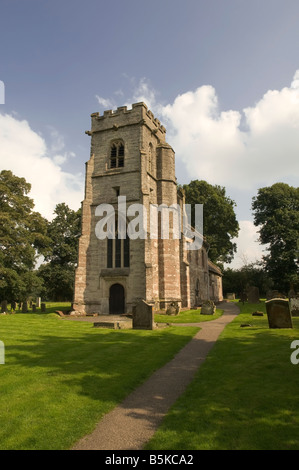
point(131, 424)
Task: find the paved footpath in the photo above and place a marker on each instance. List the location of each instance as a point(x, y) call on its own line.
point(131, 424)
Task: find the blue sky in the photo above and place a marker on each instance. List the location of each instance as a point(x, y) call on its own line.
point(221, 75)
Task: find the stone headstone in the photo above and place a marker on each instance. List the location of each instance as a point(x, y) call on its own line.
point(173, 309)
point(231, 296)
point(33, 308)
point(208, 308)
point(294, 306)
point(38, 302)
point(278, 312)
point(43, 308)
point(4, 306)
point(143, 316)
point(257, 314)
point(253, 295)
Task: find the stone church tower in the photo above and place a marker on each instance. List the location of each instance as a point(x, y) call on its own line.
point(131, 158)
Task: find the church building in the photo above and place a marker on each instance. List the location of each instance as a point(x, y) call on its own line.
point(131, 161)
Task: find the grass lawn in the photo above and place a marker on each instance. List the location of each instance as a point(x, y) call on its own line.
point(60, 377)
point(187, 316)
point(244, 396)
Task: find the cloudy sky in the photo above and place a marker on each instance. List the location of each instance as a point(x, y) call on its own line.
point(221, 75)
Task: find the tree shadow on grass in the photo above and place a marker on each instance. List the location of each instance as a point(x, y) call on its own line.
point(245, 396)
point(68, 378)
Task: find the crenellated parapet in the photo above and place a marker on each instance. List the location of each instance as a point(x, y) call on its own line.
point(139, 114)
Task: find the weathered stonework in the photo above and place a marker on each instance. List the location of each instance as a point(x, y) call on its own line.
point(160, 271)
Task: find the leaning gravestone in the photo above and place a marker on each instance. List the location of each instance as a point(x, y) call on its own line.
point(294, 306)
point(253, 295)
point(143, 316)
point(278, 312)
point(208, 308)
point(173, 309)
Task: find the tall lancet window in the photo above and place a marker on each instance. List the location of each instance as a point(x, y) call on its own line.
point(118, 250)
point(117, 155)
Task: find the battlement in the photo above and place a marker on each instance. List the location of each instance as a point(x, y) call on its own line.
point(122, 116)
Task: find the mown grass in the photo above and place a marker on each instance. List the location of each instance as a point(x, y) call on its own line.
point(60, 376)
point(187, 316)
point(244, 396)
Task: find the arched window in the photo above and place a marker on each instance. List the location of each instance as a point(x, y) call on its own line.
point(118, 250)
point(117, 155)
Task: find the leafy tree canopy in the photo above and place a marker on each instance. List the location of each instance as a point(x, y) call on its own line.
point(276, 212)
point(22, 237)
point(220, 225)
point(59, 271)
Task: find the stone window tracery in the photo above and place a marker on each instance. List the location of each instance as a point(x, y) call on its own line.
point(117, 155)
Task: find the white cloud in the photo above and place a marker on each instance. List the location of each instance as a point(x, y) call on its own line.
point(248, 248)
point(214, 146)
point(25, 153)
point(106, 103)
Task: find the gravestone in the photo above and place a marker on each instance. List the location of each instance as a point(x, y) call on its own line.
point(278, 312)
point(294, 306)
point(173, 309)
point(143, 316)
point(208, 308)
point(231, 296)
point(33, 308)
point(253, 295)
point(38, 302)
point(43, 308)
point(24, 307)
point(4, 306)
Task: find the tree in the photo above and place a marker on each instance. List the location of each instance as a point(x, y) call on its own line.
point(22, 237)
point(59, 271)
point(276, 212)
point(220, 225)
point(252, 274)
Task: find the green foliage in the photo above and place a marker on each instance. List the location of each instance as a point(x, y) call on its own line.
point(22, 238)
point(59, 271)
point(236, 280)
point(219, 220)
point(276, 212)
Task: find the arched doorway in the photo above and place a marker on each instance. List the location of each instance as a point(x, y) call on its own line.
point(116, 299)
